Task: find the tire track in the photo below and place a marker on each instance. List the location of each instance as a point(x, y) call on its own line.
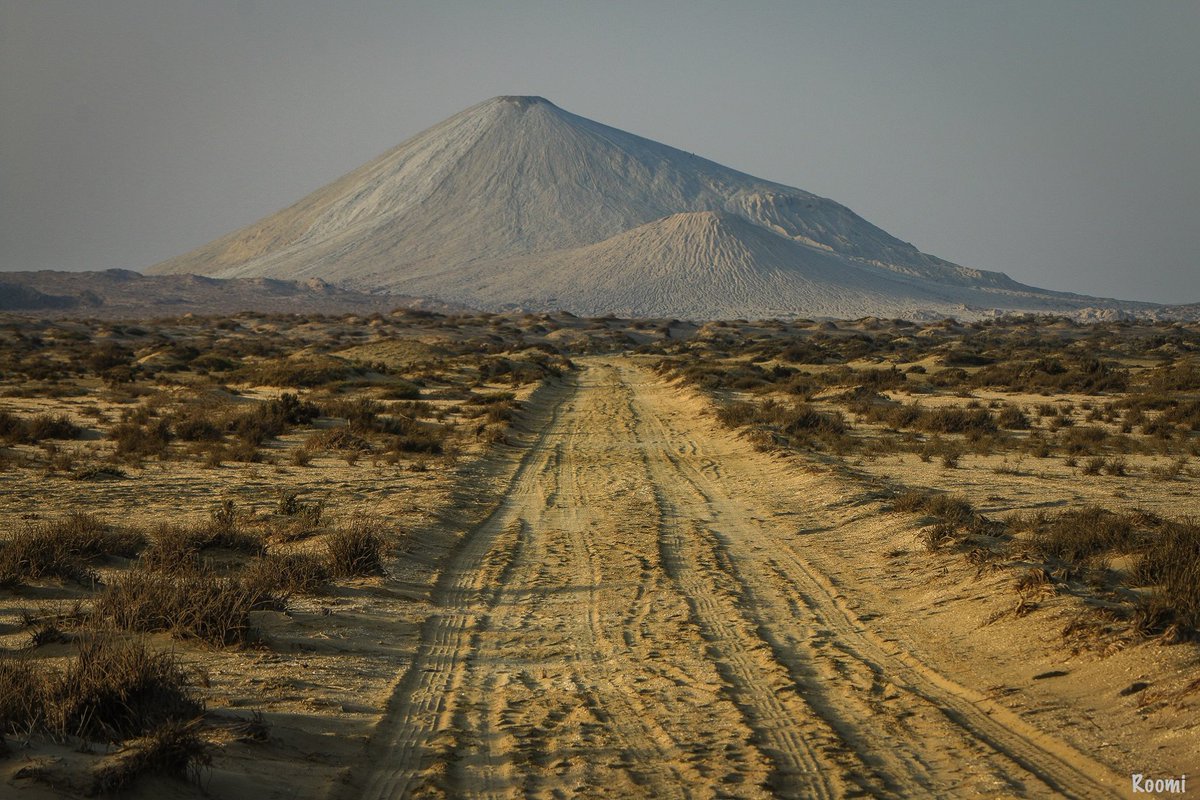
point(423, 706)
point(978, 727)
point(634, 619)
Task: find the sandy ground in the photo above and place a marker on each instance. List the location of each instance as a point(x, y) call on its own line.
point(655, 609)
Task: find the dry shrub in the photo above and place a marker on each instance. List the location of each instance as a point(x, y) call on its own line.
point(116, 689)
point(1013, 419)
point(402, 390)
point(287, 574)
point(956, 420)
point(175, 549)
point(938, 536)
point(15, 430)
point(174, 749)
point(133, 439)
point(950, 508)
point(196, 426)
point(1116, 466)
point(196, 604)
point(798, 423)
point(267, 420)
point(297, 373)
point(1171, 565)
point(360, 413)
point(355, 551)
point(64, 549)
point(23, 692)
point(112, 690)
point(1077, 535)
point(341, 438)
point(424, 438)
point(1084, 439)
point(52, 426)
point(1170, 471)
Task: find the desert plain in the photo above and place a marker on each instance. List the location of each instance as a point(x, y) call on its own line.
point(420, 554)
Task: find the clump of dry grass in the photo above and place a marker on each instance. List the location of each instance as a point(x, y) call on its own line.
point(113, 689)
point(1076, 535)
point(952, 508)
point(796, 423)
point(180, 548)
point(957, 519)
point(15, 430)
point(287, 574)
point(193, 604)
point(132, 439)
point(267, 420)
point(64, 548)
point(1170, 564)
point(175, 749)
point(355, 551)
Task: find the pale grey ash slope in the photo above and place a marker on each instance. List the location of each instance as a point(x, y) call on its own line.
point(518, 203)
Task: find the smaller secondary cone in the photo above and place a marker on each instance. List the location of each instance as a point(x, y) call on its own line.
point(516, 203)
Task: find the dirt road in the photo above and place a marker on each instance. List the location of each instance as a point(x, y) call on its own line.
point(639, 618)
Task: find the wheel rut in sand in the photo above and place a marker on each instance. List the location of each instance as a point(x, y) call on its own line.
point(637, 619)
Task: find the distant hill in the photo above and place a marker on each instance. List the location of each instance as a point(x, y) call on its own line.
point(122, 293)
point(516, 203)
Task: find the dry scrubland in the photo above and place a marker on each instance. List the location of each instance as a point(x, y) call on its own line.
point(221, 535)
point(206, 524)
point(1065, 453)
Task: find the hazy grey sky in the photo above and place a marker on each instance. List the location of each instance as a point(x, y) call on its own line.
point(1056, 141)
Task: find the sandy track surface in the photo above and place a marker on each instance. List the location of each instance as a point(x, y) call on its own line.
point(639, 618)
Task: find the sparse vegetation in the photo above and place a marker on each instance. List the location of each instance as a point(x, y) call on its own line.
point(247, 480)
point(356, 550)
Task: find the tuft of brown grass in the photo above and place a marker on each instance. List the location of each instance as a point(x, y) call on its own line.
point(179, 548)
point(175, 749)
point(112, 690)
point(64, 548)
point(287, 574)
point(1075, 536)
point(194, 604)
point(355, 551)
point(1170, 564)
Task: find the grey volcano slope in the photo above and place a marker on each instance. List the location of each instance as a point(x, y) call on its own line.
point(515, 203)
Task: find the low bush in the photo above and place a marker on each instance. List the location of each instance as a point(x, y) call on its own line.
point(64, 548)
point(112, 690)
point(117, 689)
point(341, 439)
point(133, 439)
point(296, 374)
point(956, 420)
point(355, 551)
point(796, 422)
point(950, 508)
point(1076, 535)
point(1013, 419)
point(270, 419)
point(15, 430)
point(52, 426)
point(195, 604)
point(177, 549)
point(287, 574)
point(402, 390)
point(196, 427)
point(1170, 565)
point(175, 749)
